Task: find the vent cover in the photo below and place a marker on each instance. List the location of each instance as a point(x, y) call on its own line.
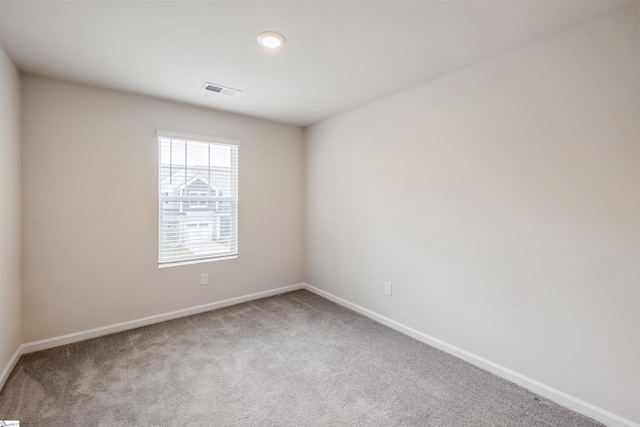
point(221, 89)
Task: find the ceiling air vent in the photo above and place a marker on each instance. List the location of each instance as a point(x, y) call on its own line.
point(221, 89)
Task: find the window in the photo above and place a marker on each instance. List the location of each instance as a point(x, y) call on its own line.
point(198, 203)
point(198, 198)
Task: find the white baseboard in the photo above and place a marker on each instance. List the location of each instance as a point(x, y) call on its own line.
point(564, 399)
point(608, 418)
point(119, 327)
point(9, 368)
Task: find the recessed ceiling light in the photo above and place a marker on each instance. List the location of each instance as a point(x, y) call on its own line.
point(271, 39)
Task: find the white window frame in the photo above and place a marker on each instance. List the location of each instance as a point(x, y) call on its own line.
point(232, 198)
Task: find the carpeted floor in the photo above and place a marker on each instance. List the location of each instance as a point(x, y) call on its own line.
point(291, 360)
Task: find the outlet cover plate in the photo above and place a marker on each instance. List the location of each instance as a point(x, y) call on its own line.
point(387, 288)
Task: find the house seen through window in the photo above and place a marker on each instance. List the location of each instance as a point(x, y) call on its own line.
point(198, 198)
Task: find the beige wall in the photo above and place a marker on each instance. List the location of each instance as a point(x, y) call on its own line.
point(502, 202)
point(10, 320)
point(90, 208)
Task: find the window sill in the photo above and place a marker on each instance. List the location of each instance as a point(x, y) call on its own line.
point(196, 261)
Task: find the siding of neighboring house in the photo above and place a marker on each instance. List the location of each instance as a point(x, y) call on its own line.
point(193, 222)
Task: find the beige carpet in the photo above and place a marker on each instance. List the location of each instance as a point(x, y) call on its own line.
point(291, 360)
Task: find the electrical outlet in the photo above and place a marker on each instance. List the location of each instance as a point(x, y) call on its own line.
point(204, 279)
point(387, 288)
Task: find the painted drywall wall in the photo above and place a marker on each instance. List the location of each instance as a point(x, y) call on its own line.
point(90, 208)
point(10, 305)
point(503, 204)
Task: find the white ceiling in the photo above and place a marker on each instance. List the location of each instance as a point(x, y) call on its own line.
point(339, 54)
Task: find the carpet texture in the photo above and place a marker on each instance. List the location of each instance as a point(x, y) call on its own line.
point(290, 360)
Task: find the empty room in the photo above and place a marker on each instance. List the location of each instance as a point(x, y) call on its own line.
point(320, 213)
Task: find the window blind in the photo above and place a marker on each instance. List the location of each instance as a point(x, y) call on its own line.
point(198, 197)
